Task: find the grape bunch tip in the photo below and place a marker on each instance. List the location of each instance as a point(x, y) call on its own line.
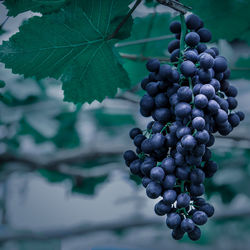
point(189, 99)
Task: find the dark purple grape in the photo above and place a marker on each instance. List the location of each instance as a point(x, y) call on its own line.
point(169, 197)
point(195, 234)
point(183, 200)
point(199, 218)
point(192, 39)
point(187, 225)
point(188, 68)
point(206, 61)
point(157, 174)
point(193, 22)
point(153, 190)
point(175, 27)
point(153, 65)
point(205, 35)
point(173, 220)
point(220, 64)
point(173, 45)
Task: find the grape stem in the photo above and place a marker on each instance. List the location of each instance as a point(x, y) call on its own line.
point(183, 34)
point(182, 186)
point(191, 87)
point(124, 20)
point(168, 124)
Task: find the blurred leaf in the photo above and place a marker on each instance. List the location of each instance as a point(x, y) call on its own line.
point(135, 179)
point(2, 31)
point(37, 245)
point(150, 26)
point(26, 129)
point(136, 70)
point(67, 136)
point(53, 176)
point(88, 186)
point(21, 90)
point(43, 123)
point(241, 69)
point(6, 98)
point(72, 45)
point(2, 84)
point(150, 3)
point(106, 119)
point(16, 7)
point(226, 192)
point(231, 15)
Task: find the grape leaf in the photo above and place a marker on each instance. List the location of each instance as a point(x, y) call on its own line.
point(231, 15)
point(112, 119)
point(88, 186)
point(16, 7)
point(63, 139)
point(150, 26)
point(72, 45)
point(136, 70)
point(150, 3)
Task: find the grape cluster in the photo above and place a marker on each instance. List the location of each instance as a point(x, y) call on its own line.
point(189, 100)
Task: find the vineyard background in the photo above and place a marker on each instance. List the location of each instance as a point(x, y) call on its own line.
point(63, 183)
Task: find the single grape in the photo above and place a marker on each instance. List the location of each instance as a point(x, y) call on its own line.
point(195, 234)
point(199, 218)
point(205, 35)
point(183, 200)
point(192, 39)
point(175, 27)
point(173, 220)
point(187, 225)
point(153, 65)
point(193, 22)
point(153, 190)
point(169, 197)
point(157, 174)
point(188, 68)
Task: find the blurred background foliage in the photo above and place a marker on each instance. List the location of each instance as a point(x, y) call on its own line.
point(63, 182)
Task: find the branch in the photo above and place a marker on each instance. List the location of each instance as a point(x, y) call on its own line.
point(78, 230)
point(3, 23)
point(142, 41)
point(233, 137)
point(62, 157)
point(175, 5)
point(129, 96)
point(124, 20)
point(13, 235)
point(136, 57)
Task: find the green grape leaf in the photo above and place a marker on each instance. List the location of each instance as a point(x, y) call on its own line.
point(72, 45)
point(227, 19)
point(136, 70)
point(16, 7)
point(241, 69)
point(150, 26)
